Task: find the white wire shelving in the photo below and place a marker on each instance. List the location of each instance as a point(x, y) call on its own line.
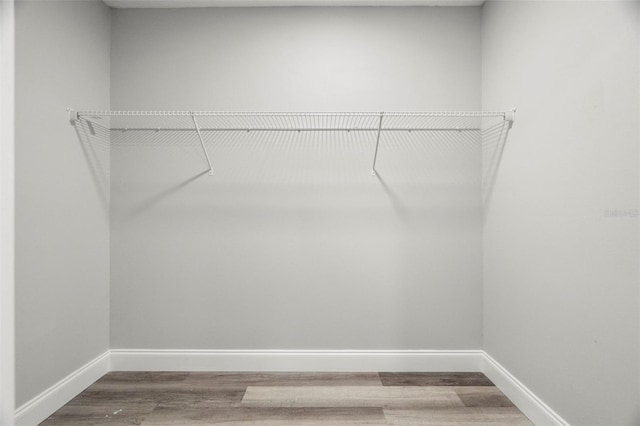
point(252, 121)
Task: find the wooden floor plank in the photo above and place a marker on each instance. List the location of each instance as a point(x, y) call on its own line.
point(351, 396)
point(435, 379)
point(482, 396)
point(507, 416)
point(131, 413)
point(242, 380)
point(255, 416)
point(133, 380)
point(175, 396)
point(145, 377)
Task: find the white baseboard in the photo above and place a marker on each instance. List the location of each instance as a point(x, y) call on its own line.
point(526, 401)
point(42, 406)
point(297, 360)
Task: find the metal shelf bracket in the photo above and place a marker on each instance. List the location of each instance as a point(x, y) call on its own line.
point(72, 115)
point(375, 154)
point(204, 148)
point(510, 116)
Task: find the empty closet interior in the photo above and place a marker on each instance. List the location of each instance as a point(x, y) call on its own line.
point(333, 188)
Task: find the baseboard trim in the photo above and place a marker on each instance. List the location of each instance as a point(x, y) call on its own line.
point(526, 401)
point(42, 406)
point(296, 360)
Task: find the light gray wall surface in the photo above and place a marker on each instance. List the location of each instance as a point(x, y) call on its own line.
point(561, 223)
point(292, 244)
point(7, 212)
point(62, 222)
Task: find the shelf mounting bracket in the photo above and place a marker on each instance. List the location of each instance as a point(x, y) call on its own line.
point(375, 154)
point(510, 116)
point(204, 148)
point(72, 115)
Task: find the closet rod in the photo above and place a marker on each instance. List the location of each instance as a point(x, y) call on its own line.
point(73, 114)
point(323, 129)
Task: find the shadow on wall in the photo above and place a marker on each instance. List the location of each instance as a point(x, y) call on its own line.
point(169, 160)
point(94, 140)
point(149, 202)
point(398, 206)
point(297, 156)
point(417, 170)
point(493, 142)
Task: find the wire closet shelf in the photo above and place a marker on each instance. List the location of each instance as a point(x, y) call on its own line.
point(253, 121)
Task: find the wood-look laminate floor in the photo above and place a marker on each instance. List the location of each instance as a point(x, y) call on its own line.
point(290, 399)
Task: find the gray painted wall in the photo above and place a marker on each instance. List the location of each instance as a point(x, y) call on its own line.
point(62, 222)
point(561, 226)
point(7, 211)
point(292, 244)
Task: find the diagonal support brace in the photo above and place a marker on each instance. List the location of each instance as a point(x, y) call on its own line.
point(206, 154)
point(375, 154)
